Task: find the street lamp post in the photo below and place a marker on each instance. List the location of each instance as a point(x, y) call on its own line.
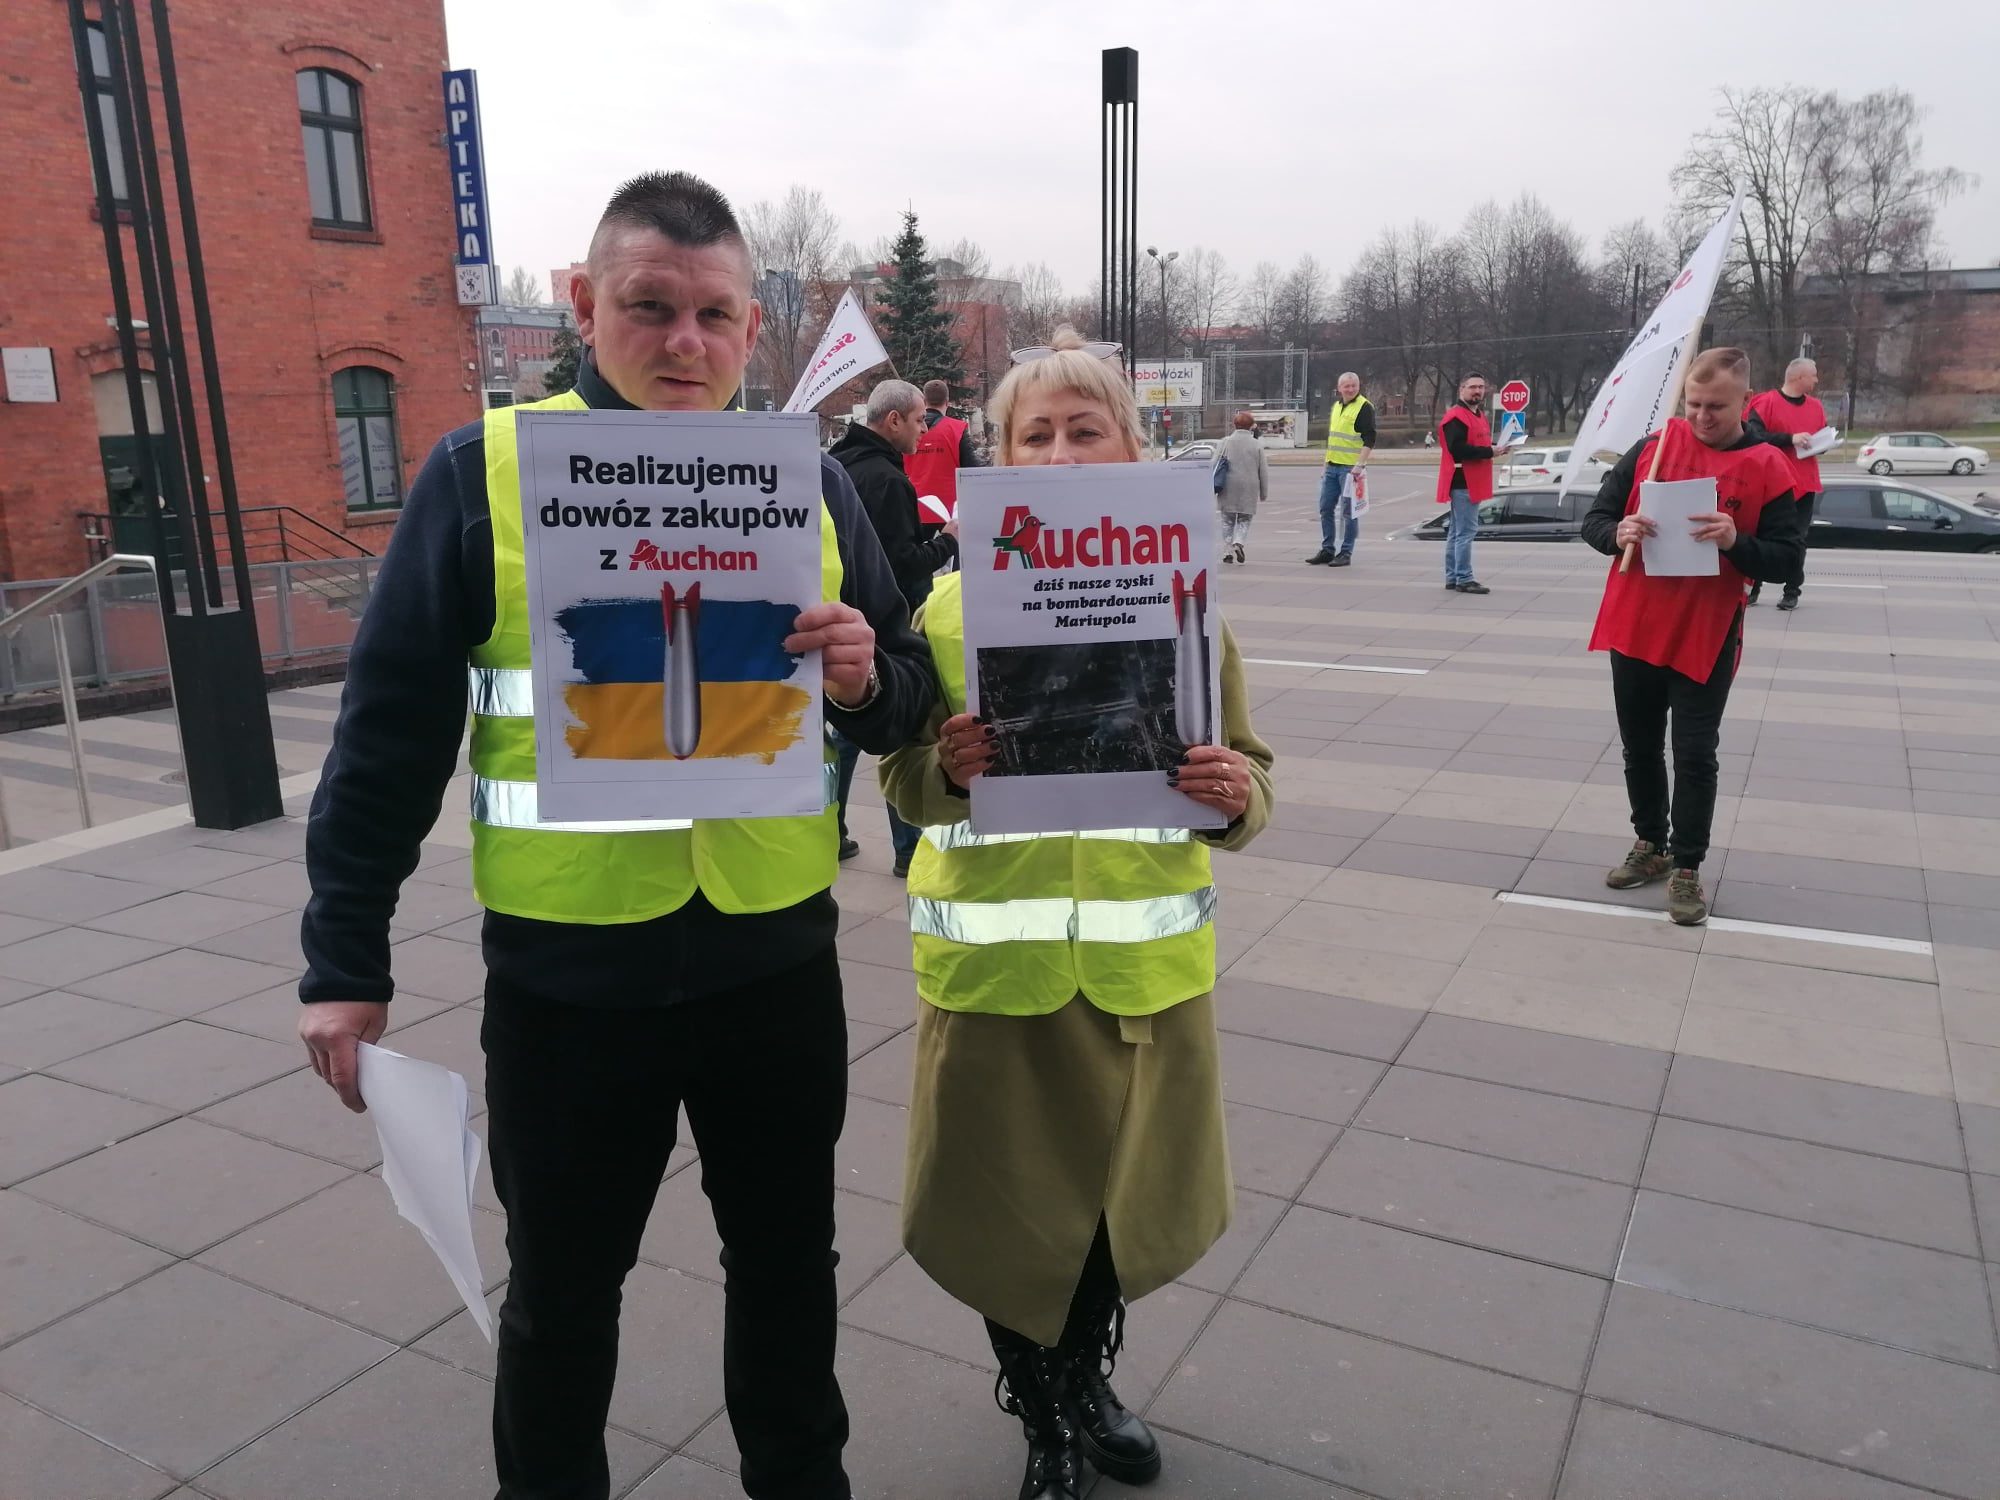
point(1166, 340)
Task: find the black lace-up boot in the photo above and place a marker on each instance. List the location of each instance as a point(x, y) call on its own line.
point(1118, 1443)
point(1032, 1386)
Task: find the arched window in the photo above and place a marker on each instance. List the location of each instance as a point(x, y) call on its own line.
point(336, 167)
point(364, 415)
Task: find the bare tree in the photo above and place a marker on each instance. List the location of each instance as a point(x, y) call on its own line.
point(1041, 305)
point(792, 256)
point(971, 256)
point(1259, 303)
point(1209, 290)
point(523, 288)
point(1633, 268)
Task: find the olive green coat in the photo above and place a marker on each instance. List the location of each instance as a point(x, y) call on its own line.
point(1026, 1130)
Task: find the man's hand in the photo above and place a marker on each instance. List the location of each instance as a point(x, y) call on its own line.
point(846, 643)
point(1800, 442)
point(330, 1029)
point(1635, 528)
point(1715, 527)
point(950, 528)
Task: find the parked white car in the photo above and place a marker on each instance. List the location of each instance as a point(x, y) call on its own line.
point(1544, 466)
point(1918, 453)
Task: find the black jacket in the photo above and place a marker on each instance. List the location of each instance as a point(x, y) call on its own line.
point(396, 745)
point(1771, 555)
point(876, 468)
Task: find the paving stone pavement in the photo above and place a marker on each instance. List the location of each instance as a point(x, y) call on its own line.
point(1534, 1200)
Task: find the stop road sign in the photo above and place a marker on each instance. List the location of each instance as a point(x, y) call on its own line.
point(1514, 396)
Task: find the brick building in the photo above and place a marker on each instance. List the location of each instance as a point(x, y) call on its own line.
point(1928, 346)
point(516, 345)
point(315, 144)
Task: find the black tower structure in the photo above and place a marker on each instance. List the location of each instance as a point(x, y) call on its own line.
point(211, 631)
point(1118, 295)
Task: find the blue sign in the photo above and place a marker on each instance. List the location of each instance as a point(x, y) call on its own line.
point(468, 167)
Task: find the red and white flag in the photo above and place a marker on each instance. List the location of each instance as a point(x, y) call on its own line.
point(847, 348)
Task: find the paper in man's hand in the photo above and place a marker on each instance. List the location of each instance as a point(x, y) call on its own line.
point(1671, 504)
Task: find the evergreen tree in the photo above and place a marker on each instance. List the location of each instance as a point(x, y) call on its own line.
point(916, 331)
point(566, 357)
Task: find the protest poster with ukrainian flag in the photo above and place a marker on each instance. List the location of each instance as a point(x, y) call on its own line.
point(669, 555)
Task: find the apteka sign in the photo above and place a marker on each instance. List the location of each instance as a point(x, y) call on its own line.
point(468, 167)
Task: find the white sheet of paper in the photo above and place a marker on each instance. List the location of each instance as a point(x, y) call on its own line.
point(1091, 641)
point(1823, 441)
point(1675, 553)
point(429, 1159)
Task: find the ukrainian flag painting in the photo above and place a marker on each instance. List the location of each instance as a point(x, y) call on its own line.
point(681, 677)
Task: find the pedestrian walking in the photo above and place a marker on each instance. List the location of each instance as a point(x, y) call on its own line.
point(631, 971)
point(1243, 483)
point(1066, 1150)
point(1350, 438)
point(1675, 642)
point(1465, 479)
point(1790, 415)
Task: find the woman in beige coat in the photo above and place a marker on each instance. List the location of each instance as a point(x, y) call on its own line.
point(1245, 485)
point(1066, 1142)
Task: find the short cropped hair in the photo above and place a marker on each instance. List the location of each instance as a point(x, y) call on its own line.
point(1800, 367)
point(678, 205)
point(892, 396)
point(1714, 364)
point(1069, 368)
point(936, 392)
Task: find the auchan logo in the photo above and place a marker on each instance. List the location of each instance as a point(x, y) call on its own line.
point(1103, 545)
point(1683, 279)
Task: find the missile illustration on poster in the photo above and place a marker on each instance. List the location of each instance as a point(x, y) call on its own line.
point(681, 672)
point(1191, 659)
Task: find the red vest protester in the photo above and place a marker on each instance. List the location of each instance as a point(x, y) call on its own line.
point(933, 468)
point(1682, 622)
point(1782, 416)
point(1478, 476)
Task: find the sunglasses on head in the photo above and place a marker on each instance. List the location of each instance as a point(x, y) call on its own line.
point(1042, 351)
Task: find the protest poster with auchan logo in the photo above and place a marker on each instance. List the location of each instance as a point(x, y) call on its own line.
point(668, 555)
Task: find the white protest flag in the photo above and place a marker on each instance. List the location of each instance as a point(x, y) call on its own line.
point(1639, 393)
point(848, 347)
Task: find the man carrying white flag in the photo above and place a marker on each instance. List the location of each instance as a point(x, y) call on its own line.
point(1639, 393)
point(848, 348)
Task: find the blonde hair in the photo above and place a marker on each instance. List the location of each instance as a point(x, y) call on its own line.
point(1069, 368)
point(1713, 363)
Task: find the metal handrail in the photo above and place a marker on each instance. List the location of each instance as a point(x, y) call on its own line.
point(10, 626)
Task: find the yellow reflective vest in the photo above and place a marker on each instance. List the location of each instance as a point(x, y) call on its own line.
point(1343, 443)
point(605, 873)
point(1021, 923)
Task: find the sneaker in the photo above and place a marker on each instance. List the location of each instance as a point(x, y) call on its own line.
point(1473, 586)
point(1341, 560)
point(901, 868)
point(1239, 553)
point(848, 849)
point(1790, 601)
point(1320, 557)
point(1644, 865)
point(1755, 590)
point(1228, 555)
point(1685, 902)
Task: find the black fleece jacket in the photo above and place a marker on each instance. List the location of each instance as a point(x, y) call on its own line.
point(876, 468)
point(396, 745)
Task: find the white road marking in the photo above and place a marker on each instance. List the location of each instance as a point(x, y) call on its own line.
point(1338, 666)
point(1729, 924)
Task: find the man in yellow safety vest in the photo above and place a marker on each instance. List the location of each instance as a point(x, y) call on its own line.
point(1350, 438)
point(632, 970)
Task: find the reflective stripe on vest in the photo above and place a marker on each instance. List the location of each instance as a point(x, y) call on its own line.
point(513, 804)
point(949, 836)
point(503, 692)
point(1343, 443)
point(1060, 920)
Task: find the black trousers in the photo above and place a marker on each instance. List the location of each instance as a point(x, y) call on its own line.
point(1797, 580)
point(1649, 699)
point(1096, 1289)
point(583, 1106)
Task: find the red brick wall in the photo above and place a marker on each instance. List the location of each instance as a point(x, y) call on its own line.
point(290, 307)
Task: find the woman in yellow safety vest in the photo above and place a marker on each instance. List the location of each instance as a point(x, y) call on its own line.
point(1066, 1146)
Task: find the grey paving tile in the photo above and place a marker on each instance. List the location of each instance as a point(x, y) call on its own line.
point(1852, 1116)
point(1363, 1413)
point(274, 1013)
point(1471, 1304)
point(1250, 1224)
point(1358, 973)
point(46, 1121)
point(438, 968)
point(1334, 1023)
point(1627, 1455)
point(1986, 1195)
point(15, 929)
point(1838, 1399)
point(686, 1479)
point(182, 1066)
point(183, 917)
point(1521, 1210)
point(1326, 1086)
point(884, 941)
point(1954, 889)
point(1982, 1136)
point(1498, 871)
point(1585, 882)
point(885, 1073)
point(1815, 1184)
point(1878, 916)
point(56, 1025)
point(1961, 926)
point(104, 1369)
point(450, 1037)
point(281, 838)
point(183, 1186)
point(869, 1158)
point(275, 940)
point(425, 906)
point(1608, 966)
point(1921, 1300)
point(67, 896)
point(1569, 1135)
point(1271, 1152)
point(184, 982)
point(40, 1456)
point(1849, 877)
point(1601, 1071)
point(55, 1263)
point(301, 1113)
point(1306, 848)
point(68, 955)
point(1353, 822)
point(1451, 833)
point(1197, 1471)
point(274, 882)
point(183, 868)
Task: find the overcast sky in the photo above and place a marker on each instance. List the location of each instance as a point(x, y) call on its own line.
point(1282, 130)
